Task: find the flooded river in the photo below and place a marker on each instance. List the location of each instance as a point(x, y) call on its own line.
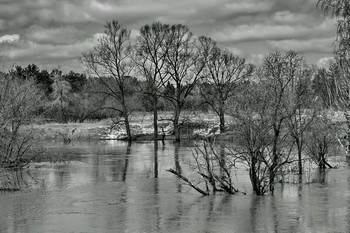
point(111, 187)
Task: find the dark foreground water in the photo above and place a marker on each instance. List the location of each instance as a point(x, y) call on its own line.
point(116, 188)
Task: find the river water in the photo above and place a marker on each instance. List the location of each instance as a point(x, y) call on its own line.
point(111, 187)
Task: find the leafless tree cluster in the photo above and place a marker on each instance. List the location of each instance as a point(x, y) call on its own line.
point(277, 122)
point(273, 118)
point(171, 62)
point(276, 108)
point(214, 168)
point(19, 101)
point(339, 71)
point(223, 72)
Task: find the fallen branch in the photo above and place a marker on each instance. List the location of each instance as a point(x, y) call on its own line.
point(187, 181)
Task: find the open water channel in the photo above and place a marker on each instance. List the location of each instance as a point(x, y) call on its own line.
point(111, 187)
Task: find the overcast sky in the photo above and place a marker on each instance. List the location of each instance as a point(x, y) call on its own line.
point(53, 33)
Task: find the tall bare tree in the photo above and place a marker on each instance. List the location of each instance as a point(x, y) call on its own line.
point(340, 9)
point(300, 104)
point(324, 86)
point(263, 139)
point(151, 51)
point(222, 73)
point(252, 135)
point(184, 66)
point(19, 102)
point(60, 94)
point(111, 62)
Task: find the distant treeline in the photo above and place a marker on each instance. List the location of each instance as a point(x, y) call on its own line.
point(74, 97)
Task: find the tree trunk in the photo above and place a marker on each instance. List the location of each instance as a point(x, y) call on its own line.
point(177, 113)
point(63, 115)
point(155, 159)
point(222, 160)
point(176, 124)
point(222, 119)
point(347, 117)
point(272, 181)
point(253, 178)
point(126, 119)
point(300, 164)
point(275, 154)
point(155, 118)
point(127, 127)
point(323, 163)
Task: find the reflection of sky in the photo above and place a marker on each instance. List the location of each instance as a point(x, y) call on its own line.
point(107, 162)
point(89, 196)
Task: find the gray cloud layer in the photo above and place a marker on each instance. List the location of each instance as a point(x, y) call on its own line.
point(53, 33)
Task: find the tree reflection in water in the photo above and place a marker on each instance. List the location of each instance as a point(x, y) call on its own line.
point(155, 159)
point(126, 160)
point(16, 180)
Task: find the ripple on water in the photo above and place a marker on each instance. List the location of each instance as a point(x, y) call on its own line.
point(113, 188)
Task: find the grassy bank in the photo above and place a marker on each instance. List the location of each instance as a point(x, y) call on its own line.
point(75, 131)
point(193, 126)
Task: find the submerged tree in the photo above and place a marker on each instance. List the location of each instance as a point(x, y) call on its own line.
point(215, 172)
point(322, 137)
point(300, 104)
point(111, 62)
point(263, 114)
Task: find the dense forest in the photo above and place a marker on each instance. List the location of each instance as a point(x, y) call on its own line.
point(280, 107)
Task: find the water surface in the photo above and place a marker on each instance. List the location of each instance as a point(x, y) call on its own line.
point(112, 187)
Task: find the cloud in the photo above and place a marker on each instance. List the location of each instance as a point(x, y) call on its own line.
point(235, 51)
point(56, 32)
point(317, 45)
point(259, 31)
point(47, 51)
point(55, 35)
point(9, 38)
point(287, 17)
point(255, 58)
point(325, 62)
point(49, 56)
point(247, 6)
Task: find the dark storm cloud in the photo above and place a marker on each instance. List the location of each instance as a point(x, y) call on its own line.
point(54, 33)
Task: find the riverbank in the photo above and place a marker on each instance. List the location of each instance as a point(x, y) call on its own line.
point(194, 126)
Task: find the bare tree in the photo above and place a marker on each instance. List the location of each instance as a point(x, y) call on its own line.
point(214, 171)
point(184, 66)
point(19, 103)
point(340, 9)
point(324, 86)
point(253, 135)
point(262, 137)
point(151, 51)
point(322, 136)
point(300, 104)
point(60, 94)
point(222, 73)
point(111, 62)
point(278, 72)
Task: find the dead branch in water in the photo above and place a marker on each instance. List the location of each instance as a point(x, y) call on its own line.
point(187, 181)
